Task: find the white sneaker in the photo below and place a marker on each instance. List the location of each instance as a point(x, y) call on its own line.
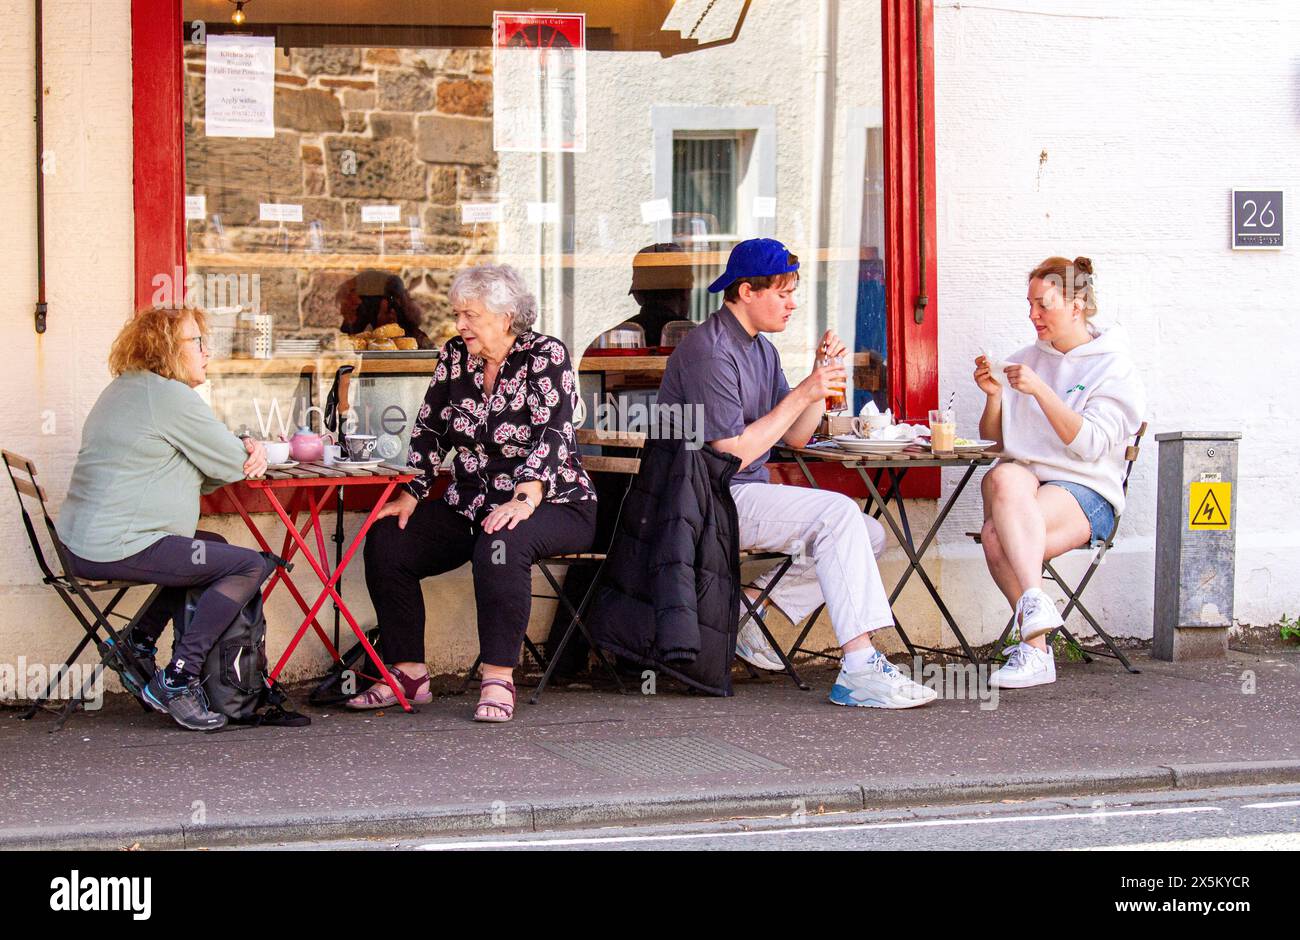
point(752, 646)
point(880, 685)
point(1037, 614)
point(1026, 666)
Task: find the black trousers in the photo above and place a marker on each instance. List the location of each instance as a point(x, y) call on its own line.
point(439, 539)
point(231, 574)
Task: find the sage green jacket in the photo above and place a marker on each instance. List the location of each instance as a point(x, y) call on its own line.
point(149, 448)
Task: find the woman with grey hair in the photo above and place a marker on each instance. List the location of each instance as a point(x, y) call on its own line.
point(502, 400)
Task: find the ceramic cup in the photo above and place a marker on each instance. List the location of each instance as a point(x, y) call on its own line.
point(864, 425)
point(276, 451)
point(361, 446)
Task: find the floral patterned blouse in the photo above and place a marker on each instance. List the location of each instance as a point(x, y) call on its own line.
point(522, 431)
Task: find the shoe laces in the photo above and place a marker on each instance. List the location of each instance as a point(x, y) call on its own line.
point(1015, 656)
point(884, 665)
point(196, 688)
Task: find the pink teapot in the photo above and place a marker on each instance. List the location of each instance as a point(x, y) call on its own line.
point(306, 447)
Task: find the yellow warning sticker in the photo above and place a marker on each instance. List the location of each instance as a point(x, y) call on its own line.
point(1209, 506)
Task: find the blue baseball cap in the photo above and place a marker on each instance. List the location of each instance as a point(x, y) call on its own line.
point(755, 257)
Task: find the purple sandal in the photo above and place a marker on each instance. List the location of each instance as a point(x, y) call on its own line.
point(380, 695)
point(507, 707)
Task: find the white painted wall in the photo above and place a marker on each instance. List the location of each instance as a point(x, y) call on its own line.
point(49, 382)
point(1116, 130)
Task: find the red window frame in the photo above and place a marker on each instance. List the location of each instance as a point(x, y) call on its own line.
point(159, 186)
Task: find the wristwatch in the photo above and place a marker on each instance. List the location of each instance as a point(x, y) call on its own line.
point(525, 498)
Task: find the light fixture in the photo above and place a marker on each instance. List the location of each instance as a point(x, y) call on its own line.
point(238, 16)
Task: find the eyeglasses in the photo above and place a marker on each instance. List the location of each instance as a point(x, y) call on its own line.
point(195, 339)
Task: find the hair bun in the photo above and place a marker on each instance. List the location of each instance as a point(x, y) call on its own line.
point(1083, 264)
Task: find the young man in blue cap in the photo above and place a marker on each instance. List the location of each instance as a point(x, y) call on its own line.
point(734, 373)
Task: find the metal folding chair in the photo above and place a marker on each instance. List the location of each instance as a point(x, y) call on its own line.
point(627, 468)
point(79, 596)
point(1099, 548)
point(784, 562)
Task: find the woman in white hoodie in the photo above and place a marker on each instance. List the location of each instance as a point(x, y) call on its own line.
point(1064, 409)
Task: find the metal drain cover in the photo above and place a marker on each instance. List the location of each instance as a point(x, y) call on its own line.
point(660, 757)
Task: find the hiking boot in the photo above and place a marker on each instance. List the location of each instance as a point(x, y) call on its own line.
point(116, 660)
point(187, 704)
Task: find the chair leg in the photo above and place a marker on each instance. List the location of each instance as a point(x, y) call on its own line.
point(534, 652)
point(576, 622)
point(49, 688)
point(1115, 651)
point(752, 614)
point(75, 703)
point(1002, 640)
point(803, 635)
point(1075, 601)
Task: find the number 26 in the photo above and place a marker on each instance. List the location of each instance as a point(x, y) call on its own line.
point(1267, 217)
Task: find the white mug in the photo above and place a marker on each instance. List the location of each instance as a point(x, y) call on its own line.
point(332, 453)
point(863, 425)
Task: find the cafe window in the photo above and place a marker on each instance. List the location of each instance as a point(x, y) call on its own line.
point(709, 171)
point(325, 168)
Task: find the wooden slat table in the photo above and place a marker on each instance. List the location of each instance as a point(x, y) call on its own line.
point(310, 486)
point(872, 468)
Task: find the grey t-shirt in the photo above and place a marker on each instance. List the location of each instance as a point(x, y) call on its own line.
point(736, 379)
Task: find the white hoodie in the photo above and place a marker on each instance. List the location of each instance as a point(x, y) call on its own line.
point(1097, 380)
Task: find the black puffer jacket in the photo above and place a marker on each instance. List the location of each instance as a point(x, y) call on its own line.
point(670, 591)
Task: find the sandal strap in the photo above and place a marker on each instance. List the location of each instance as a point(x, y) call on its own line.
point(379, 694)
point(504, 706)
point(410, 685)
point(508, 686)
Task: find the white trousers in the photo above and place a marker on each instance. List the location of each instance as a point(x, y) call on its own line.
point(835, 545)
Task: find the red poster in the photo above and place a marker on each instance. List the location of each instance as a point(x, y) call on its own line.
point(539, 82)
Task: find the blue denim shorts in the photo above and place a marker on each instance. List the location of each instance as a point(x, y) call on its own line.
point(1100, 513)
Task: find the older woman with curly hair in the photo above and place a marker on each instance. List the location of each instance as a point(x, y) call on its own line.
point(149, 448)
point(501, 401)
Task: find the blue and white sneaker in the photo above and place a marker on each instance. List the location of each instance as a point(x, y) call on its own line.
point(752, 646)
point(880, 685)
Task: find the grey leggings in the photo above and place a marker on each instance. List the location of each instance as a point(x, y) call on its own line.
point(231, 575)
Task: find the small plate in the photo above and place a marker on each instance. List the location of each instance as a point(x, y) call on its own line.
point(282, 466)
point(359, 464)
point(977, 446)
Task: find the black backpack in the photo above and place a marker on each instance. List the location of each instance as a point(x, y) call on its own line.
point(352, 673)
point(234, 674)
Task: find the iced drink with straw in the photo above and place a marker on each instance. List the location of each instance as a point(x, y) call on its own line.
point(943, 430)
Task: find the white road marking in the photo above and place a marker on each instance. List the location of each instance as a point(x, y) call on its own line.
point(857, 827)
point(1272, 805)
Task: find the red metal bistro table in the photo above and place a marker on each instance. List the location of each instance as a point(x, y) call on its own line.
point(310, 486)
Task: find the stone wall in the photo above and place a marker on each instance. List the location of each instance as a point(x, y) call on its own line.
point(354, 127)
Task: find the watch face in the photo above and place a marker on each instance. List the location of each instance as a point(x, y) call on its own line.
point(521, 498)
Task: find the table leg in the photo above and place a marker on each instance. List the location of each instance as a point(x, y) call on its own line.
point(286, 553)
point(914, 563)
point(329, 592)
point(807, 474)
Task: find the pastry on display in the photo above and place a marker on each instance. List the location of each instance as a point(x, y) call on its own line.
point(388, 331)
point(407, 342)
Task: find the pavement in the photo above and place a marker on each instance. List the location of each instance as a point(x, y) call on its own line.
point(119, 777)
